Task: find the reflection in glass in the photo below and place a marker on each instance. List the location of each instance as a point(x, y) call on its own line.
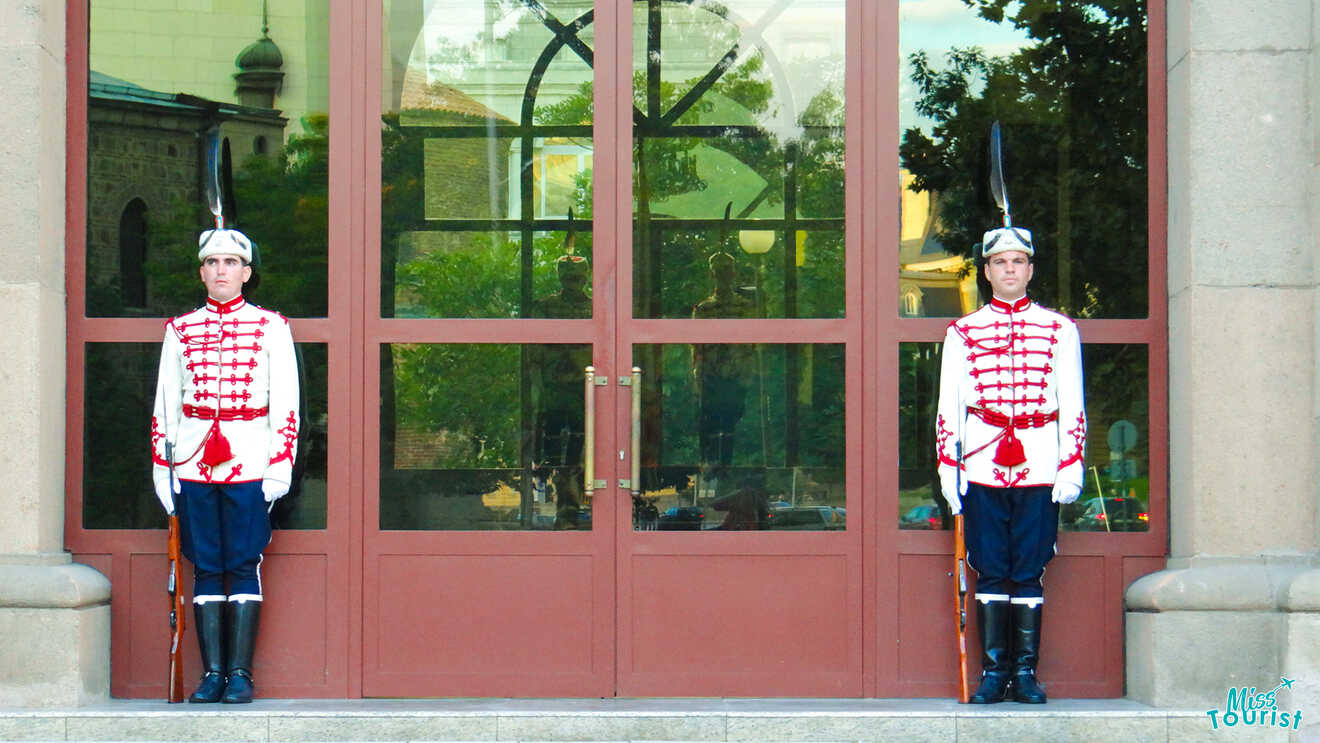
point(460, 273)
point(741, 437)
point(159, 74)
point(1116, 494)
point(119, 387)
point(486, 154)
point(1068, 82)
point(305, 506)
point(483, 437)
point(739, 108)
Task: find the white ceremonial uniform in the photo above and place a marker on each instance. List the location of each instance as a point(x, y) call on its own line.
point(228, 385)
point(1011, 392)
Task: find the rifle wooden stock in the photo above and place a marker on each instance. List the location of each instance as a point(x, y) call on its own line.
point(177, 613)
point(960, 603)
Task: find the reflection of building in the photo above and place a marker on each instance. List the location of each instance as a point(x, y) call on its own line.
point(932, 281)
point(144, 163)
point(172, 46)
point(462, 178)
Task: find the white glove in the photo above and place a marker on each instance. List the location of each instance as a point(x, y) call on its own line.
point(951, 497)
point(163, 490)
point(1065, 492)
point(273, 489)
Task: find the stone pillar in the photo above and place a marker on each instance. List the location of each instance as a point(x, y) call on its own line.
point(1237, 604)
point(54, 615)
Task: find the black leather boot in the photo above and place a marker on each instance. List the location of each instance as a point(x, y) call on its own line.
point(1026, 653)
point(243, 616)
point(993, 624)
point(209, 620)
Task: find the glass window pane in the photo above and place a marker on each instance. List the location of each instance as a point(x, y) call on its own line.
point(741, 437)
point(119, 387)
point(738, 149)
point(1069, 87)
point(486, 150)
point(483, 436)
point(161, 73)
point(305, 506)
point(1116, 493)
point(465, 273)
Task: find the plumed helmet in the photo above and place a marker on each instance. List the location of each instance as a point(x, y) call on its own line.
point(1005, 239)
point(224, 242)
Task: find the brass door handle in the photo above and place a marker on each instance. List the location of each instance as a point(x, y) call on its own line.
point(636, 442)
point(589, 433)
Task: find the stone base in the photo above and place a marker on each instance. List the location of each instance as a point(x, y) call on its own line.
point(1191, 658)
point(1204, 626)
point(54, 632)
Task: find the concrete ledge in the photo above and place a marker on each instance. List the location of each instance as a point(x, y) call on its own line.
point(1303, 593)
point(1208, 584)
point(34, 585)
point(816, 720)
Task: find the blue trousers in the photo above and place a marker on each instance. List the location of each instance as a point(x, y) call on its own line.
point(1011, 534)
point(222, 531)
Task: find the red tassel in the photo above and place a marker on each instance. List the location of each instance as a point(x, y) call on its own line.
point(1009, 452)
point(217, 449)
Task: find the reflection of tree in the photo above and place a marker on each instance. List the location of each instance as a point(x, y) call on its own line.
point(466, 395)
point(1073, 104)
point(283, 206)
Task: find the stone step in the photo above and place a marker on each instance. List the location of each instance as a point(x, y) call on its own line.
point(815, 720)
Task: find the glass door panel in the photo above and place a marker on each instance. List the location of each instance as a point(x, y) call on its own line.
point(483, 437)
point(741, 437)
point(738, 158)
point(487, 156)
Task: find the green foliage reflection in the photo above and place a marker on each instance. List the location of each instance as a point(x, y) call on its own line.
point(1073, 106)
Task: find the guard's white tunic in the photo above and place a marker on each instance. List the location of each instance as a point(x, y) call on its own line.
point(1011, 372)
point(228, 379)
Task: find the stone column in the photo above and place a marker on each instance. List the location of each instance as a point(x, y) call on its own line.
point(54, 614)
point(1236, 605)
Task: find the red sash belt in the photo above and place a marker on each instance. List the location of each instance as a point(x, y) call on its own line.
point(225, 414)
point(999, 420)
point(1009, 453)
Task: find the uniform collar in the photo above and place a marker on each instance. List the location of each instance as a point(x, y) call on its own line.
point(1003, 306)
point(225, 308)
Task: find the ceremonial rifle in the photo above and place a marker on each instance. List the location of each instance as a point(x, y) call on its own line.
point(174, 584)
point(960, 589)
point(175, 693)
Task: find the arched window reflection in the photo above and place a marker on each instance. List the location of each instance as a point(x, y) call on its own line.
point(133, 254)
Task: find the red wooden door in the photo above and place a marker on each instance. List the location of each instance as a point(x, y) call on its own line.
point(495, 562)
point(741, 571)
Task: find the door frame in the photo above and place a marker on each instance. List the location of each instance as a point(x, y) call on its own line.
point(134, 559)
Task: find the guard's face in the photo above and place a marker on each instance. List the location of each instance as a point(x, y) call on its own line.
point(1009, 273)
point(224, 276)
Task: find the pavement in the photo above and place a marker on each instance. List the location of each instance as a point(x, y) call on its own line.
point(692, 720)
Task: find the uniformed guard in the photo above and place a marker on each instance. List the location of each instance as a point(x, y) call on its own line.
point(227, 400)
point(1010, 432)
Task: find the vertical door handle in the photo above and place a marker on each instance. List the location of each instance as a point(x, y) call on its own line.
point(589, 433)
point(636, 442)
